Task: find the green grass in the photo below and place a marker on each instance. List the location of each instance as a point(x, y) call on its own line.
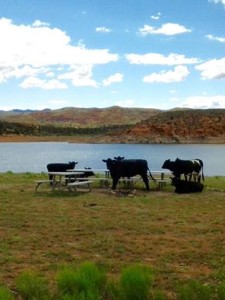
point(180, 237)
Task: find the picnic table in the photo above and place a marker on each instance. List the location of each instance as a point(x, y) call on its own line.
point(65, 180)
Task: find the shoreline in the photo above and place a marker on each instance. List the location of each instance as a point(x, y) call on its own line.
point(103, 140)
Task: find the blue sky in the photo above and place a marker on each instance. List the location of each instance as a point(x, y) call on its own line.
point(99, 53)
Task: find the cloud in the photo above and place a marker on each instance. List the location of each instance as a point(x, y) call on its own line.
point(156, 17)
point(159, 59)
point(38, 23)
point(215, 38)
point(29, 50)
point(179, 74)
point(103, 29)
point(34, 82)
point(118, 77)
point(212, 69)
point(168, 29)
point(204, 102)
point(218, 1)
point(79, 75)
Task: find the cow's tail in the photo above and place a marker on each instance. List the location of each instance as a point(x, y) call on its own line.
point(201, 164)
point(150, 174)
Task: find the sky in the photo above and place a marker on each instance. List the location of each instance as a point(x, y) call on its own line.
point(100, 53)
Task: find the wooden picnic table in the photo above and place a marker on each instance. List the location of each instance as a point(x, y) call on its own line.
point(65, 180)
point(60, 177)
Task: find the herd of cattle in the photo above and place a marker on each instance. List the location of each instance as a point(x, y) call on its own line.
point(119, 167)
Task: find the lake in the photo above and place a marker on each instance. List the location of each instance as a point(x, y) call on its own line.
point(33, 157)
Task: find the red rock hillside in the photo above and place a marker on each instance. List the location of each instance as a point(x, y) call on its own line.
point(178, 126)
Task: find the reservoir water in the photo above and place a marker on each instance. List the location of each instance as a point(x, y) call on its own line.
point(33, 157)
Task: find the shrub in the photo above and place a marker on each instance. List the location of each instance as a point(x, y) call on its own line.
point(5, 294)
point(31, 286)
point(194, 291)
point(135, 283)
point(85, 283)
point(221, 292)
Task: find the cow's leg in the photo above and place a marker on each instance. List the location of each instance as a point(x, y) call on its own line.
point(190, 176)
point(50, 178)
point(145, 179)
point(115, 181)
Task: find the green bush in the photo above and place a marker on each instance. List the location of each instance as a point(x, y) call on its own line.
point(135, 283)
point(87, 282)
point(31, 286)
point(221, 292)
point(5, 294)
point(194, 291)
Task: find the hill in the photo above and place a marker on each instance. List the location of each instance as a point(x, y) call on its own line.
point(116, 125)
point(178, 126)
point(79, 117)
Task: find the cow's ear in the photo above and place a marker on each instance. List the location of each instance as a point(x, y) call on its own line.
point(104, 160)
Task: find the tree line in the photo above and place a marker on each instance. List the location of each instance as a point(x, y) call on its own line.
point(15, 128)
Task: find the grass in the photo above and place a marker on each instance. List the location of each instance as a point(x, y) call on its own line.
point(180, 237)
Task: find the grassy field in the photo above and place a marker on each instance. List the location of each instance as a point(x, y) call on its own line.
point(180, 237)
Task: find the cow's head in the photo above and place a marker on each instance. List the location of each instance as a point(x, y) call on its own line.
point(109, 163)
point(166, 164)
point(119, 158)
point(72, 164)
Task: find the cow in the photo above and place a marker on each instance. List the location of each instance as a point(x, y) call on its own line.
point(187, 167)
point(60, 167)
point(127, 168)
point(119, 158)
point(185, 187)
point(87, 173)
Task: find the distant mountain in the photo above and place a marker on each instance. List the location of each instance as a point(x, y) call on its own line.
point(79, 117)
point(118, 125)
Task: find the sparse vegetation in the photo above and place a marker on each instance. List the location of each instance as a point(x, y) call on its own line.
point(116, 125)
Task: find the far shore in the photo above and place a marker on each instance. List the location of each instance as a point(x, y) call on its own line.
point(102, 140)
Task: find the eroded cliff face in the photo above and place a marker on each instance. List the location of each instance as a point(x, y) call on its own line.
point(192, 126)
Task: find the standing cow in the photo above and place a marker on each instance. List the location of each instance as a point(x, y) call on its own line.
point(187, 167)
point(128, 168)
point(60, 167)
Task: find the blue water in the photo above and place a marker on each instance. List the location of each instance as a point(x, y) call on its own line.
point(33, 157)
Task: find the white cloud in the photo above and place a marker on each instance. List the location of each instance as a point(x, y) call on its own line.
point(204, 102)
point(218, 1)
point(168, 29)
point(38, 23)
point(179, 74)
point(79, 76)
point(34, 82)
point(103, 29)
point(126, 103)
point(118, 77)
point(28, 50)
point(215, 38)
point(212, 69)
point(156, 17)
point(159, 59)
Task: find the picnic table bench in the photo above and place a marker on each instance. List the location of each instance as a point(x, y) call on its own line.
point(64, 180)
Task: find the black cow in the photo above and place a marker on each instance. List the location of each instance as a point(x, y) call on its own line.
point(119, 158)
point(87, 173)
point(128, 168)
point(187, 167)
point(60, 167)
point(185, 187)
